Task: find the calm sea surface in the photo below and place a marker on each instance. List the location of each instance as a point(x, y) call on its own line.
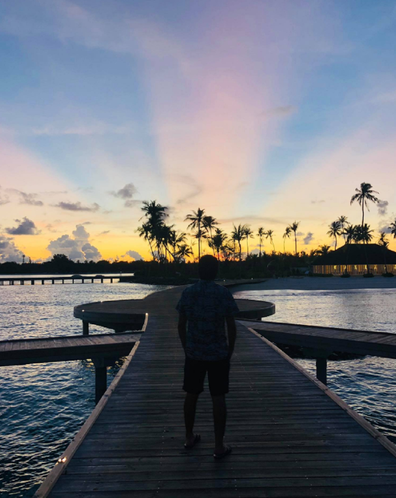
point(43, 406)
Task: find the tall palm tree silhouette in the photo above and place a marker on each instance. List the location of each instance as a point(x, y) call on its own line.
point(343, 220)
point(237, 235)
point(152, 230)
point(217, 241)
point(269, 235)
point(196, 220)
point(260, 234)
point(364, 194)
point(247, 233)
point(294, 228)
point(287, 233)
point(335, 230)
point(209, 224)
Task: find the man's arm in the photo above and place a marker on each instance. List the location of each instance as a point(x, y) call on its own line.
point(182, 328)
point(231, 330)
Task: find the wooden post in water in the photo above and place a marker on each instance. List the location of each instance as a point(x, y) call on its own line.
point(85, 328)
point(32, 281)
point(22, 282)
point(111, 280)
point(100, 378)
point(53, 281)
point(321, 370)
point(42, 281)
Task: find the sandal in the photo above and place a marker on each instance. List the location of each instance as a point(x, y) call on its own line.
point(219, 456)
point(197, 439)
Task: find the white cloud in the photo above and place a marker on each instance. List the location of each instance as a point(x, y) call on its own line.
point(308, 238)
point(134, 255)
point(382, 207)
point(77, 206)
point(9, 251)
point(126, 192)
point(76, 246)
point(25, 227)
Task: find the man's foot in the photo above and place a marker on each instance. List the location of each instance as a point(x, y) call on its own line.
point(192, 441)
point(221, 454)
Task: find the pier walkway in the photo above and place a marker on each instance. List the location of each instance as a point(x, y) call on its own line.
point(291, 436)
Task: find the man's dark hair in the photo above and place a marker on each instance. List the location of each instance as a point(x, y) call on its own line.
point(208, 267)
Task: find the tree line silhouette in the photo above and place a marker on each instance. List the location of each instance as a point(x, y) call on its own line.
point(169, 245)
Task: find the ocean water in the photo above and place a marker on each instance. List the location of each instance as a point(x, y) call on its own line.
point(42, 406)
point(367, 384)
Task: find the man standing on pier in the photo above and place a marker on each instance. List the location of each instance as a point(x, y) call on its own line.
point(204, 310)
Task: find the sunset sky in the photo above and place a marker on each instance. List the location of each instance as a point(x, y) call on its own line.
point(260, 112)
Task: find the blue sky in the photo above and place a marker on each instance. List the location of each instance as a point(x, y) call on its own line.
point(261, 112)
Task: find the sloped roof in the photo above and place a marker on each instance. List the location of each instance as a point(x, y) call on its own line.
point(358, 254)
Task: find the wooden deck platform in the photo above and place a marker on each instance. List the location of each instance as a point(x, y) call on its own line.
point(328, 339)
point(291, 435)
point(66, 348)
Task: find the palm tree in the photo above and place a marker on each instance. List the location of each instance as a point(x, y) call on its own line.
point(294, 228)
point(237, 235)
point(217, 241)
point(335, 229)
point(343, 221)
point(196, 220)
point(366, 234)
point(269, 235)
point(248, 233)
point(323, 250)
point(175, 240)
point(209, 223)
point(184, 251)
point(349, 233)
point(260, 234)
point(145, 232)
point(393, 229)
point(152, 229)
point(287, 233)
point(364, 194)
point(383, 241)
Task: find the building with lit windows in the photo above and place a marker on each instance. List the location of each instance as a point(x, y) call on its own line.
point(356, 259)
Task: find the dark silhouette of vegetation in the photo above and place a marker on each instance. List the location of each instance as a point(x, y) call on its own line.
point(364, 194)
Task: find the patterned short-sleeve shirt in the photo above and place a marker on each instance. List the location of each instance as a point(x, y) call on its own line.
point(206, 305)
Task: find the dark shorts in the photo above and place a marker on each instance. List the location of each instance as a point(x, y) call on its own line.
point(218, 375)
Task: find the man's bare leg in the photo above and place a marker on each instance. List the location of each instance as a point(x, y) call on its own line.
point(220, 418)
point(190, 406)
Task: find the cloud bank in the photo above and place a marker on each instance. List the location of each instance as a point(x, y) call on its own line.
point(77, 206)
point(75, 247)
point(134, 255)
point(9, 251)
point(25, 227)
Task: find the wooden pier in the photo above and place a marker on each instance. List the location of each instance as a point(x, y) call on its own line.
point(15, 280)
point(102, 349)
point(291, 436)
point(321, 342)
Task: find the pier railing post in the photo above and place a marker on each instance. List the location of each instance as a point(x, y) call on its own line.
point(85, 328)
point(320, 356)
point(321, 370)
point(100, 378)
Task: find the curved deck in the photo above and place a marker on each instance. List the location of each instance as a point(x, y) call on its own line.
point(128, 314)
